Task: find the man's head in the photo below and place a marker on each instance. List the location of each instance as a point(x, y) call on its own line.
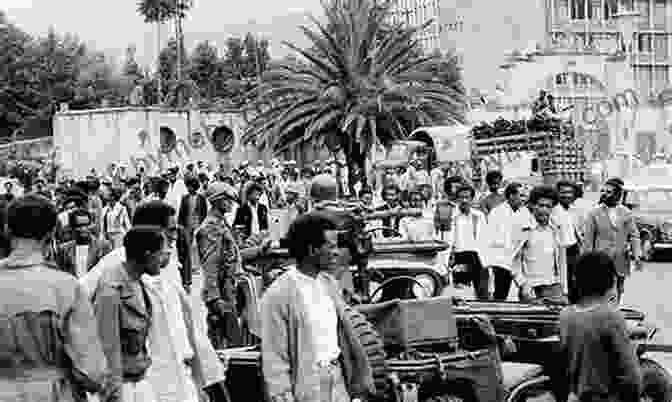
point(450, 186)
point(204, 179)
point(133, 185)
point(566, 192)
point(31, 217)
point(324, 187)
point(221, 197)
point(595, 275)
point(416, 199)
point(263, 182)
point(612, 192)
point(513, 195)
point(541, 202)
point(391, 195)
point(312, 240)
point(253, 192)
point(161, 215)
point(192, 184)
point(494, 180)
point(465, 197)
point(145, 249)
point(81, 223)
point(161, 187)
point(366, 196)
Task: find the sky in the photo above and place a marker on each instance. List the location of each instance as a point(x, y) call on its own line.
point(111, 26)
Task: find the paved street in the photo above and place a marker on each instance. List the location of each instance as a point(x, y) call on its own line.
point(649, 291)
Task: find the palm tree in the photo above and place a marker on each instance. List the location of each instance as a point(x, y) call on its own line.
point(362, 80)
point(161, 11)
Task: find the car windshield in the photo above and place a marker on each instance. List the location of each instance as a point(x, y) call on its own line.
point(654, 199)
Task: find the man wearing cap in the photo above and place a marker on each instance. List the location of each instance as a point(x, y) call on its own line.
point(220, 260)
point(611, 228)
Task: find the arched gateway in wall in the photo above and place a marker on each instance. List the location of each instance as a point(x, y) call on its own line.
point(573, 80)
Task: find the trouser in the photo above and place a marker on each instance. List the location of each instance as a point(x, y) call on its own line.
point(479, 275)
point(224, 326)
point(332, 383)
point(503, 279)
point(572, 253)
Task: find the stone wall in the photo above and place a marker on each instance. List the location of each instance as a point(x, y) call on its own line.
point(150, 137)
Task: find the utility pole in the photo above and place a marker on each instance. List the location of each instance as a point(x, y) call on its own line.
point(258, 63)
point(159, 81)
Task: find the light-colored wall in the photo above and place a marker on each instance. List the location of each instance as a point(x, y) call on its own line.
point(97, 138)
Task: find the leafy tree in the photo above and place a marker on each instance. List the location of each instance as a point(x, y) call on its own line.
point(37, 74)
point(131, 68)
point(234, 59)
point(256, 55)
point(206, 70)
point(159, 11)
point(360, 81)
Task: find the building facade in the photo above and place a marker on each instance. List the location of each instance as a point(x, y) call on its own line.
point(572, 49)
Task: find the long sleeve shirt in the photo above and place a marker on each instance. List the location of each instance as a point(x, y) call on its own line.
point(467, 230)
point(539, 257)
point(499, 235)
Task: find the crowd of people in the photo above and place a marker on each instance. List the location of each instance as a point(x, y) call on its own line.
point(96, 274)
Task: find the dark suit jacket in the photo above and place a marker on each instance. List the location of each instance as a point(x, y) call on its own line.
point(201, 209)
point(613, 238)
point(244, 217)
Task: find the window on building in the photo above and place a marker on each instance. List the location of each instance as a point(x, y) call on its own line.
point(660, 47)
point(659, 14)
point(644, 8)
point(644, 80)
point(581, 10)
point(661, 78)
point(644, 43)
point(563, 10)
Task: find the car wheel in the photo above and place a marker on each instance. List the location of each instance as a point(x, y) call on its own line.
point(373, 346)
point(656, 382)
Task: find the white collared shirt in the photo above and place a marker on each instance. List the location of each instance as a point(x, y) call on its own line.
point(538, 251)
point(322, 316)
point(499, 235)
point(464, 236)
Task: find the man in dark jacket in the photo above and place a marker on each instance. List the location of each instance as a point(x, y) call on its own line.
point(193, 207)
point(252, 215)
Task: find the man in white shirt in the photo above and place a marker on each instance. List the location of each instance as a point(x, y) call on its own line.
point(466, 237)
point(569, 219)
point(417, 228)
point(500, 240)
point(538, 266)
point(308, 353)
point(178, 343)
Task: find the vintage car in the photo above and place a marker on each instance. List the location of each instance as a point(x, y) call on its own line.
point(652, 206)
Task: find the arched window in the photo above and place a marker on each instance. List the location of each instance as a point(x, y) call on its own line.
point(167, 140)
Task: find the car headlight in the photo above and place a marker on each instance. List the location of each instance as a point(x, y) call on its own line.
point(425, 287)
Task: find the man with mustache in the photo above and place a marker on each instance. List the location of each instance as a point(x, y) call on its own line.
point(611, 228)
